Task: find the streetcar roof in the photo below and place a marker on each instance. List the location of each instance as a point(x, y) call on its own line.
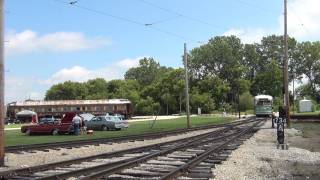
point(263, 97)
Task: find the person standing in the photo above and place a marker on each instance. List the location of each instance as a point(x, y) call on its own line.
point(76, 124)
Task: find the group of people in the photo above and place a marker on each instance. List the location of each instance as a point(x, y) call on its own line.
point(78, 124)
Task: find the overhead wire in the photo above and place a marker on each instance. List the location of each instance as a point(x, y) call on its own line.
point(198, 20)
point(147, 25)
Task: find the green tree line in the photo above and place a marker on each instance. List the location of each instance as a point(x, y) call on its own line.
point(223, 72)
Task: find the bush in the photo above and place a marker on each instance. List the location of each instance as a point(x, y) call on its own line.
point(246, 101)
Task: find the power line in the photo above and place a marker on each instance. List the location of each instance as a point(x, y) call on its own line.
point(148, 25)
point(182, 15)
point(163, 20)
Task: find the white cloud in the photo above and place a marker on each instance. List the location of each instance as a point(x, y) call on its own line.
point(81, 74)
point(249, 35)
point(303, 23)
point(29, 41)
point(129, 63)
point(21, 88)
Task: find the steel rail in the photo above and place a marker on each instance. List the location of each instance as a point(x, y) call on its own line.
point(184, 168)
point(115, 169)
point(29, 170)
point(102, 167)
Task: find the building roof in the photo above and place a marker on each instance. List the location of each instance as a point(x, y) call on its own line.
point(69, 102)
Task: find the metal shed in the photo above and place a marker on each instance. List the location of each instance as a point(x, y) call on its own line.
point(305, 105)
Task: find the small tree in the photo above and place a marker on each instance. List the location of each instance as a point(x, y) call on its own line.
point(246, 101)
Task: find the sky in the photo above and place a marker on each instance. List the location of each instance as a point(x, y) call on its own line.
point(52, 41)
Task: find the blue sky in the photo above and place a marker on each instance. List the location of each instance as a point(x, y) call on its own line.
point(51, 41)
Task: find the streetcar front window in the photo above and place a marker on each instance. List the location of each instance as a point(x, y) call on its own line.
point(264, 103)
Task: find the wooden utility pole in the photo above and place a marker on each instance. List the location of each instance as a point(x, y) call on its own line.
point(285, 74)
point(185, 57)
point(2, 83)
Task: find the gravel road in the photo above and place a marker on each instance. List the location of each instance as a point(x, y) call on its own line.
point(259, 158)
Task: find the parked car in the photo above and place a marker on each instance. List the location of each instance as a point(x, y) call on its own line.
point(49, 126)
point(87, 116)
point(107, 122)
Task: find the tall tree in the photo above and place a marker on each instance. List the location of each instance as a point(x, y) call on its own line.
point(146, 73)
point(67, 91)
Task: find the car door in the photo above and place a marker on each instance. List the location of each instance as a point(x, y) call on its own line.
point(98, 124)
point(90, 124)
point(109, 123)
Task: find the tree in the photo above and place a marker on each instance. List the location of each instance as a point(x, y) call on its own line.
point(97, 89)
point(307, 63)
point(201, 100)
point(246, 101)
point(147, 106)
point(67, 91)
point(268, 81)
point(146, 73)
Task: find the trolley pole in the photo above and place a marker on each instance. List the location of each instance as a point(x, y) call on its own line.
point(1, 83)
point(185, 58)
point(285, 74)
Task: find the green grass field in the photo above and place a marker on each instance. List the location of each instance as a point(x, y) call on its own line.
point(15, 137)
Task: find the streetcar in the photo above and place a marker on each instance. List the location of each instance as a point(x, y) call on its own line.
point(263, 105)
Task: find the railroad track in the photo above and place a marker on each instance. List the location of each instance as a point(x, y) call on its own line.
point(81, 143)
point(196, 155)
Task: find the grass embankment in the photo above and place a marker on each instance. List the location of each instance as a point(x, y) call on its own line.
point(310, 135)
point(316, 113)
point(15, 137)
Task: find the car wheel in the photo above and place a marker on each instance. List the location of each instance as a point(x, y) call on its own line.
point(104, 128)
point(118, 129)
point(55, 132)
point(28, 132)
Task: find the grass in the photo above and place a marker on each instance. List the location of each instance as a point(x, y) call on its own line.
point(13, 126)
point(308, 129)
point(306, 113)
point(15, 137)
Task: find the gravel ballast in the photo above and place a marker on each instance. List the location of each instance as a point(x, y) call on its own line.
point(259, 158)
point(27, 159)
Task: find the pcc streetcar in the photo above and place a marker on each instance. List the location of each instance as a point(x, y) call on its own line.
point(263, 105)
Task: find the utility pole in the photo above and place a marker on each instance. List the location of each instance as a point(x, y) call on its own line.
point(1, 83)
point(185, 57)
point(293, 76)
point(285, 74)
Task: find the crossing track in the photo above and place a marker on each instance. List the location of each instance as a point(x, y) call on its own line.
point(161, 161)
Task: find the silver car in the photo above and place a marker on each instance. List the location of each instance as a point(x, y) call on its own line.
point(105, 123)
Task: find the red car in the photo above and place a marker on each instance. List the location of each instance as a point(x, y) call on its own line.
point(53, 127)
